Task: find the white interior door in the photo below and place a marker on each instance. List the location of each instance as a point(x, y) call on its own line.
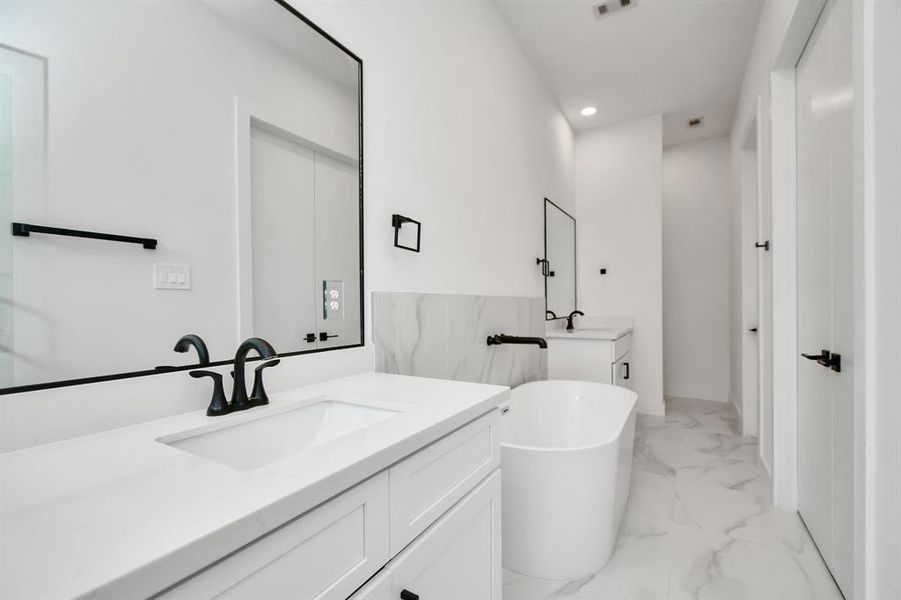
point(825, 287)
point(337, 251)
point(282, 239)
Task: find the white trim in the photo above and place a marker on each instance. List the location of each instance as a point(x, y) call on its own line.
point(695, 392)
point(882, 214)
point(750, 163)
point(783, 182)
point(785, 288)
point(865, 458)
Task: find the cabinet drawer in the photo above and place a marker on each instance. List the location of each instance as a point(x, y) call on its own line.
point(460, 556)
point(621, 346)
point(378, 588)
point(428, 483)
point(326, 553)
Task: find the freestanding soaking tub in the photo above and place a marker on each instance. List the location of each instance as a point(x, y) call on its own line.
point(566, 459)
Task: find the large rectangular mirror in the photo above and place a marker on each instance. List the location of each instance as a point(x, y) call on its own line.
point(224, 135)
point(559, 266)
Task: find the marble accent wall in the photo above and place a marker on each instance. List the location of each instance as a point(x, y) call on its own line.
point(444, 336)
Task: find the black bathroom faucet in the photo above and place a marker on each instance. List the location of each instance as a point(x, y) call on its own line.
point(239, 400)
point(569, 319)
point(503, 338)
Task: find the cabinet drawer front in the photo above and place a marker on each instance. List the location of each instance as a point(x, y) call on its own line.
point(621, 346)
point(326, 553)
point(429, 482)
point(378, 588)
point(459, 557)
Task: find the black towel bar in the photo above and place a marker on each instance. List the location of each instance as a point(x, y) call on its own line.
point(26, 229)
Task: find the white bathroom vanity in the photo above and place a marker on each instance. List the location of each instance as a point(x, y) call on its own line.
point(377, 478)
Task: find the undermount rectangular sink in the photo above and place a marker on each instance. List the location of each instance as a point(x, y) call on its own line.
point(271, 437)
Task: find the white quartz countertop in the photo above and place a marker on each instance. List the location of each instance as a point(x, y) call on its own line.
point(606, 333)
point(119, 514)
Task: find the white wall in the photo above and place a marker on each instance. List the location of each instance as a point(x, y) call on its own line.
point(618, 192)
point(461, 134)
point(696, 245)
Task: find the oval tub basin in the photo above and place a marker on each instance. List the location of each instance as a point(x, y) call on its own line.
point(566, 453)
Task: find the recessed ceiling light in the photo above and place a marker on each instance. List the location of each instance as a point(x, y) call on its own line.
point(588, 111)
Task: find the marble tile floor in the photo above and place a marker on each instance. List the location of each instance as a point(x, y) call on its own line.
point(699, 524)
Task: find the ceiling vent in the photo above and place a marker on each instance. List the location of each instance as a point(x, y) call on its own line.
point(695, 122)
point(611, 6)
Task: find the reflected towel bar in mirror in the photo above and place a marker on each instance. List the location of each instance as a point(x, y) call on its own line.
point(26, 229)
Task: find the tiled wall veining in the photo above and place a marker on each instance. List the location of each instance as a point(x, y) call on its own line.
point(444, 336)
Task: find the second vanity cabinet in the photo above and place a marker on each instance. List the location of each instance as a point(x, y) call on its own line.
point(598, 355)
point(429, 524)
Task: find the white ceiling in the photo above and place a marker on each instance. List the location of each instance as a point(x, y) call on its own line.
point(679, 58)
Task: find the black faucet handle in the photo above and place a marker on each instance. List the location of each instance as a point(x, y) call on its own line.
point(218, 403)
point(259, 397)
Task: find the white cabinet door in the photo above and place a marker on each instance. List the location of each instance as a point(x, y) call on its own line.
point(622, 371)
point(324, 554)
point(427, 484)
point(458, 558)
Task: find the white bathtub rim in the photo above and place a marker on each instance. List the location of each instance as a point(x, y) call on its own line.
point(606, 442)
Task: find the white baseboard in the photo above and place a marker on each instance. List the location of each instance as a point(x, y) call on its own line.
point(695, 393)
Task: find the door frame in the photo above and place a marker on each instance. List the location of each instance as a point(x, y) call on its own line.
point(751, 198)
point(870, 549)
point(250, 114)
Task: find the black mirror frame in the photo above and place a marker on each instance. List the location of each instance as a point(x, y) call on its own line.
point(545, 269)
point(127, 375)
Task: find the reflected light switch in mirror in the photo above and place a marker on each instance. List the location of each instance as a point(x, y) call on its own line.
point(171, 277)
point(332, 299)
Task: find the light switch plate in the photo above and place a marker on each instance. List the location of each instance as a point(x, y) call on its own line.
point(171, 277)
point(333, 299)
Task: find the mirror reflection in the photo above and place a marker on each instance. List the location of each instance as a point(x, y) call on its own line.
point(560, 256)
point(228, 131)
